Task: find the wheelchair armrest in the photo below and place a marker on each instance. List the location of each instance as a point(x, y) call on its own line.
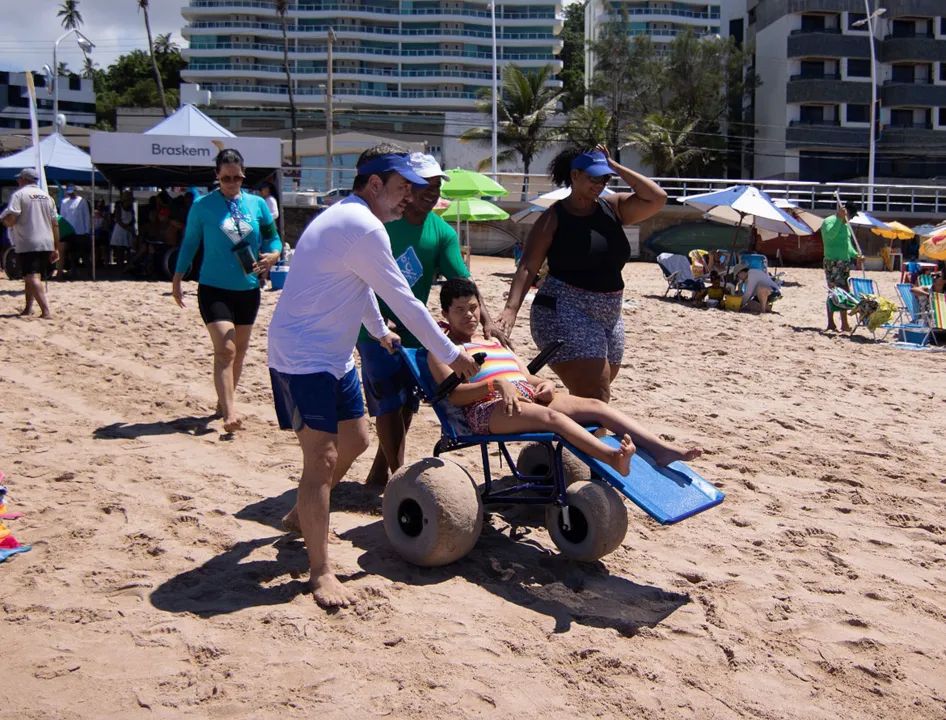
point(450, 384)
point(542, 359)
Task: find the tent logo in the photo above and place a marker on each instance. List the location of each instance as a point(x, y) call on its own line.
point(178, 150)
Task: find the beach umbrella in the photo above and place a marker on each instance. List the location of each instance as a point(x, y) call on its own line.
point(897, 231)
point(865, 219)
point(934, 247)
point(469, 184)
point(746, 205)
point(471, 210)
point(809, 218)
point(541, 203)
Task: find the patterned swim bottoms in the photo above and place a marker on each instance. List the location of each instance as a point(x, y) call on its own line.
point(837, 272)
point(479, 413)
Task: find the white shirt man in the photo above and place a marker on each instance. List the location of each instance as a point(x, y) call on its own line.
point(32, 221)
point(75, 210)
point(342, 256)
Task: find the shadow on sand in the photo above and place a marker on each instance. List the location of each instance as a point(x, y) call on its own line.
point(190, 425)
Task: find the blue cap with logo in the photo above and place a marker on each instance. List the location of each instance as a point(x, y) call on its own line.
point(594, 163)
point(397, 162)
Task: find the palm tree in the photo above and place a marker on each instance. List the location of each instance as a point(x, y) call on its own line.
point(163, 45)
point(282, 7)
point(144, 5)
point(588, 126)
point(666, 144)
point(71, 17)
point(62, 70)
point(523, 112)
point(89, 68)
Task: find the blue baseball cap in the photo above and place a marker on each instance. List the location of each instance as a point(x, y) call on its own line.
point(70, 189)
point(399, 163)
point(594, 163)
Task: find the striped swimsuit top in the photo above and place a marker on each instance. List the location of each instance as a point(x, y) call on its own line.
point(500, 363)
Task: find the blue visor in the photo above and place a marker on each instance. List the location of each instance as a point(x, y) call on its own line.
point(396, 162)
point(593, 163)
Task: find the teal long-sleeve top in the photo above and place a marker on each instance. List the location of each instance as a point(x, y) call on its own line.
point(218, 227)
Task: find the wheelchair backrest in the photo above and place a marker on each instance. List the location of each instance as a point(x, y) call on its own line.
point(452, 421)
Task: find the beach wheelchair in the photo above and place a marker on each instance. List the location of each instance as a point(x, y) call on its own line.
point(433, 509)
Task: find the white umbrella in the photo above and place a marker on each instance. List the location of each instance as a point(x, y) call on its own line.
point(745, 205)
point(541, 203)
point(809, 218)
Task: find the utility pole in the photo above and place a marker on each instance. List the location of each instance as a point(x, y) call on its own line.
point(329, 112)
point(492, 8)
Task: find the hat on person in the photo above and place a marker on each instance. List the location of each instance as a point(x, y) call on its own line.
point(738, 269)
point(594, 163)
point(427, 166)
point(70, 189)
point(28, 174)
point(397, 162)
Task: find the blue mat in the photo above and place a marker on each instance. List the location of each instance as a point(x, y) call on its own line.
point(7, 552)
point(668, 494)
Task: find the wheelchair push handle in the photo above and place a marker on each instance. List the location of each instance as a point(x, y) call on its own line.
point(542, 359)
point(451, 383)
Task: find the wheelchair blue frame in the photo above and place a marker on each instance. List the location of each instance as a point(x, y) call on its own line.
point(668, 494)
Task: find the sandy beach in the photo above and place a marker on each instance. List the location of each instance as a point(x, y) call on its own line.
point(159, 584)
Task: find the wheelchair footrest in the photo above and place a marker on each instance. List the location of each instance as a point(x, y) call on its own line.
point(668, 494)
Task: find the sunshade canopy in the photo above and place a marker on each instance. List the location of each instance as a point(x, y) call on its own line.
point(470, 184)
point(473, 210)
point(63, 162)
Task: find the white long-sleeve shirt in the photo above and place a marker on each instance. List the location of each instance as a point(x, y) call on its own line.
point(342, 256)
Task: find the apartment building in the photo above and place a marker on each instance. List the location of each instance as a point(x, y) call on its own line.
point(76, 101)
point(812, 111)
point(427, 55)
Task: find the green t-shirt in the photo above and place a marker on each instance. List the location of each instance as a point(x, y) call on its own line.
point(422, 253)
point(837, 239)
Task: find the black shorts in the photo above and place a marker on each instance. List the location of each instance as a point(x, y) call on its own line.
point(236, 306)
point(34, 263)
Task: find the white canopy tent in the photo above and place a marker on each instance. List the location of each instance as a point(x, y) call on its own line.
point(179, 150)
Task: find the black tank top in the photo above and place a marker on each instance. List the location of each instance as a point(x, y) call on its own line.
point(589, 251)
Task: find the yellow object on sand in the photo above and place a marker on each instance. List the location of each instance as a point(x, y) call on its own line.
point(732, 302)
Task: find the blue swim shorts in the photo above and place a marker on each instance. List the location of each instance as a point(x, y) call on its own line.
point(319, 401)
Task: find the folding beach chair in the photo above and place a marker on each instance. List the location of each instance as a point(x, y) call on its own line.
point(679, 275)
point(925, 280)
point(860, 287)
point(937, 316)
point(913, 325)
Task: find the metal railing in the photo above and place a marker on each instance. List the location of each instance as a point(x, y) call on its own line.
point(346, 29)
point(362, 50)
point(301, 91)
point(373, 72)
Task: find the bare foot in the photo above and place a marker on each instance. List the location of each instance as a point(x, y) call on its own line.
point(233, 424)
point(218, 412)
point(26, 311)
point(290, 523)
point(46, 316)
point(377, 479)
point(329, 592)
point(621, 459)
point(672, 454)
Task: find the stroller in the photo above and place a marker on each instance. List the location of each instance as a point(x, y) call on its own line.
point(679, 275)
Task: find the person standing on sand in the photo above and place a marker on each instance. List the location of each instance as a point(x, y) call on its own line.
point(423, 246)
point(582, 237)
point(341, 256)
point(32, 219)
point(839, 253)
point(240, 241)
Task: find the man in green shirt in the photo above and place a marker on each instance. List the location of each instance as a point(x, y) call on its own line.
point(424, 246)
point(839, 253)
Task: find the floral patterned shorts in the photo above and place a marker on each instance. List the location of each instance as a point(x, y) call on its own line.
point(479, 413)
point(837, 272)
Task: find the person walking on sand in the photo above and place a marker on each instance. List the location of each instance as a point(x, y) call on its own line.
point(240, 241)
point(33, 222)
point(341, 256)
point(582, 237)
point(423, 246)
point(839, 253)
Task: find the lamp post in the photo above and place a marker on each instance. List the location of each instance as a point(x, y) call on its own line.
point(869, 21)
point(329, 115)
point(86, 46)
point(495, 98)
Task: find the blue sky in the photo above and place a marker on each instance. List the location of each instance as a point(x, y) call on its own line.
point(115, 26)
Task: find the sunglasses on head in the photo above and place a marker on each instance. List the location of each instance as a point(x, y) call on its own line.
point(231, 178)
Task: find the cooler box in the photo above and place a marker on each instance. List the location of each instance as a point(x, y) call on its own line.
point(277, 276)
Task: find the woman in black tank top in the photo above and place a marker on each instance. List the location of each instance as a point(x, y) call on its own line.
point(582, 238)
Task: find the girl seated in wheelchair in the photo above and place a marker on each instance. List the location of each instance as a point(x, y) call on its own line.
point(504, 398)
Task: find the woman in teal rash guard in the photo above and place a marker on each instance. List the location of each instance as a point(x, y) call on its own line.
point(240, 241)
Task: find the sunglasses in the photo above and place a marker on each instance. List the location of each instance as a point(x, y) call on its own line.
point(600, 179)
point(231, 178)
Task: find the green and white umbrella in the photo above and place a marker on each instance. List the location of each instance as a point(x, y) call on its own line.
point(469, 184)
point(467, 210)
